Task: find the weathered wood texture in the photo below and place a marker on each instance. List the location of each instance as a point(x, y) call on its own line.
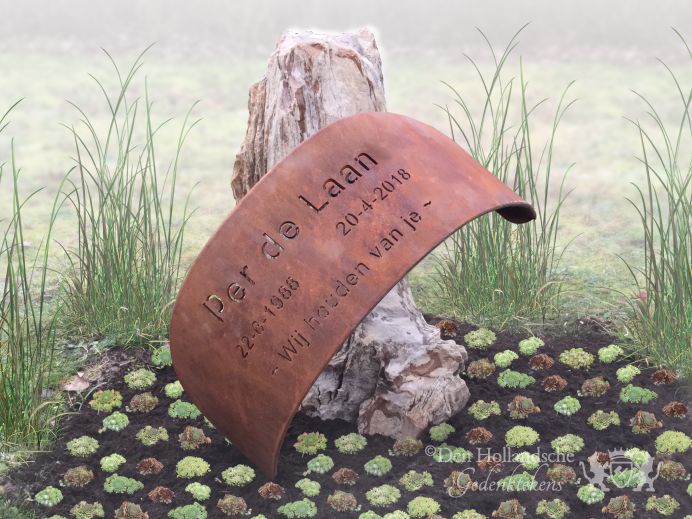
point(394, 375)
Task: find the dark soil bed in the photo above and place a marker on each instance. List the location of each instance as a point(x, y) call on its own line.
point(48, 468)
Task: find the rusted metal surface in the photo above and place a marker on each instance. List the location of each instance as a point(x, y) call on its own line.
point(304, 257)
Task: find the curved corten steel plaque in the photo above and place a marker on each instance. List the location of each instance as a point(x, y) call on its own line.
point(306, 255)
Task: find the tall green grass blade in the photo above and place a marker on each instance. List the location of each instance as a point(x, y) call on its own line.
point(27, 329)
point(492, 272)
point(124, 272)
point(660, 317)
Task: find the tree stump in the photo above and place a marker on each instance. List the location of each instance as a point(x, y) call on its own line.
point(394, 375)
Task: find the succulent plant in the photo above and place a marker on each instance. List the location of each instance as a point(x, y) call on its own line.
point(129, 510)
point(480, 339)
point(310, 443)
point(112, 462)
point(555, 508)
point(192, 467)
point(440, 432)
point(192, 511)
point(149, 435)
point(636, 395)
point(193, 438)
point(567, 406)
point(161, 356)
point(143, 402)
point(414, 481)
point(521, 407)
point(620, 507)
point(490, 463)
point(161, 495)
point(396, 514)
point(609, 354)
point(115, 422)
point(663, 377)
point(560, 473)
point(116, 484)
point(637, 456)
point(469, 514)
point(554, 383)
point(541, 362)
point(577, 358)
point(514, 379)
point(528, 347)
point(271, 490)
point(350, 443)
point(510, 509)
point(174, 390)
point(504, 358)
point(567, 444)
point(671, 442)
point(518, 482)
point(378, 466)
point(644, 422)
point(82, 447)
point(320, 464)
point(233, 505)
point(480, 369)
point(627, 478)
point(308, 487)
point(457, 483)
point(482, 410)
point(238, 475)
point(675, 409)
point(198, 491)
point(406, 447)
point(105, 400)
point(528, 460)
point(672, 470)
point(590, 494)
point(665, 505)
point(596, 386)
point(149, 467)
point(384, 495)
point(343, 501)
point(183, 410)
point(600, 457)
point(140, 379)
point(84, 510)
point(369, 515)
point(345, 476)
point(521, 436)
point(48, 497)
point(448, 329)
point(445, 453)
point(601, 420)
point(625, 374)
point(77, 477)
point(479, 436)
point(298, 509)
point(422, 507)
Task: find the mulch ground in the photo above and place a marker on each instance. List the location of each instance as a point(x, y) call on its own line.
point(47, 469)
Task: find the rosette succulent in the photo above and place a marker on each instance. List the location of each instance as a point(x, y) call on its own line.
point(567, 406)
point(140, 379)
point(528, 347)
point(350, 443)
point(577, 358)
point(480, 339)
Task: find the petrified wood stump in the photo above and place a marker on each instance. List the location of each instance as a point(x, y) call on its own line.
point(394, 375)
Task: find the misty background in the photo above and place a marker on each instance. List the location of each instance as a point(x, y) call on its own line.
point(212, 51)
